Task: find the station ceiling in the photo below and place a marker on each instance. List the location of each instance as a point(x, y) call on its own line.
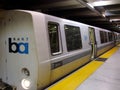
point(100, 13)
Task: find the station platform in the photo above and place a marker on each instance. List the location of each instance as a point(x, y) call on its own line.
point(100, 74)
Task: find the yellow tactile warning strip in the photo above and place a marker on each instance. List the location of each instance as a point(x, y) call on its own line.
point(72, 81)
point(109, 53)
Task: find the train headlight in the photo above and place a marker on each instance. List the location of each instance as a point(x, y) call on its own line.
point(26, 83)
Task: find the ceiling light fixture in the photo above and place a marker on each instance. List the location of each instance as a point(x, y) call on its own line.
point(90, 5)
point(115, 19)
point(110, 20)
point(101, 3)
point(103, 15)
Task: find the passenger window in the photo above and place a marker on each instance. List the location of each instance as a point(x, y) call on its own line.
point(53, 29)
point(115, 36)
point(102, 36)
point(73, 37)
point(105, 37)
point(110, 36)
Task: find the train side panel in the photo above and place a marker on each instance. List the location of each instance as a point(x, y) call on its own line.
point(103, 45)
point(68, 61)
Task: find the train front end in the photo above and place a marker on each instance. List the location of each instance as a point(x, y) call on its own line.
point(18, 59)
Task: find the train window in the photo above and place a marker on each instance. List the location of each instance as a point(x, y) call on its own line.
point(102, 36)
point(54, 37)
point(110, 36)
point(105, 37)
point(115, 36)
point(118, 36)
point(73, 37)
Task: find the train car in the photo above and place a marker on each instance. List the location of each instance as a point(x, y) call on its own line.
point(38, 49)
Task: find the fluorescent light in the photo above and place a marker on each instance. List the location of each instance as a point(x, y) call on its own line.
point(103, 15)
point(101, 3)
point(90, 5)
point(115, 19)
point(110, 20)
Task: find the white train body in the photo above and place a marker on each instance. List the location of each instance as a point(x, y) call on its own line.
point(26, 58)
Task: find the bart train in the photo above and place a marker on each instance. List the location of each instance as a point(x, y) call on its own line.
point(38, 49)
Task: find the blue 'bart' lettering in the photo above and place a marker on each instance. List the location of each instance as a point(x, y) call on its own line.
point(17, 46)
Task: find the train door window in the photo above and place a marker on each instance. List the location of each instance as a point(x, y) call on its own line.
point(73, 37)
point(54, 38)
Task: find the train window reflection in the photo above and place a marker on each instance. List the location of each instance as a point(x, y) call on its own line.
point(73, 37)
point(54, 37)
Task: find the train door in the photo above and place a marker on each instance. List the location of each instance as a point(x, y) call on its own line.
point(92, 42)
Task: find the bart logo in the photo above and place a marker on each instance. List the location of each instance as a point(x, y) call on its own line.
point(18, 47)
